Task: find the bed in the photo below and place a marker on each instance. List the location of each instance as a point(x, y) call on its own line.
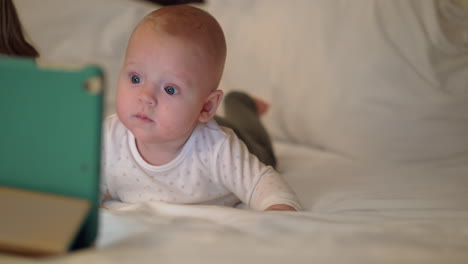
point(369, 116)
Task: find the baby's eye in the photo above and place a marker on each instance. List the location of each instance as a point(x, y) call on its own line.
point(171, 90)
point(135, 79)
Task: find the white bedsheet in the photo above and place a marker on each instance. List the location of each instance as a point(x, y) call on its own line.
point(354, 215)
point(329, 183)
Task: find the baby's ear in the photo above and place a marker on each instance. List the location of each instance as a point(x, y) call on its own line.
point(209, 108)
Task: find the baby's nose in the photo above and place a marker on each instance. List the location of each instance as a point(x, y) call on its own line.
point(147, 97)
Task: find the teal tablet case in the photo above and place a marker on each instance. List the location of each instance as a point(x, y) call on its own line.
point(50, 133)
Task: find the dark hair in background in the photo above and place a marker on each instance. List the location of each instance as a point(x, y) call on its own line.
point(12, 40)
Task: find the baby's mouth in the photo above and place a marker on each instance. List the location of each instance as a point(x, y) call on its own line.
point(143, 117)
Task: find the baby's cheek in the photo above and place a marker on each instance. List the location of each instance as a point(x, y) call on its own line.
point(122, 100)
point(178, 126)
point(174, 126)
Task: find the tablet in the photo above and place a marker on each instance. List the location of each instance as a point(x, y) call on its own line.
point(50, 135)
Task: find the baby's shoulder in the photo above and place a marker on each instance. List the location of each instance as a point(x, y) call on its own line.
point(211, 136)
point(215, 133)
point(209, 128)
point(113, 128)
point(220, 137)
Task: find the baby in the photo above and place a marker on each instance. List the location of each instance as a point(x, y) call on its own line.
point(163, 144)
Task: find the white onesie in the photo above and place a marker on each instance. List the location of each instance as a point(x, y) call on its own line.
point(213, 167)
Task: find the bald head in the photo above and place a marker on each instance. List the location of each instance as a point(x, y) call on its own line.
point(191, 25)
point(184, 20)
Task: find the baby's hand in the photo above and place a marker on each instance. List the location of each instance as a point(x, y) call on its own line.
point(280, 207)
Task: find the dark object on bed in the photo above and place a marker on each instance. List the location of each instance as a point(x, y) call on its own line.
point(176, 2)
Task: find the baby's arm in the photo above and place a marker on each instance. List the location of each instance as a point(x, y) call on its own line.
point(280, 207)
point(257, 185)
point(273, 193)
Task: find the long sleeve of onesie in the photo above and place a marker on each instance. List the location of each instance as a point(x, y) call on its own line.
point(257, 185)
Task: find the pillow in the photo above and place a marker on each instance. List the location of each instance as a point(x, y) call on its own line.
point(371, 80)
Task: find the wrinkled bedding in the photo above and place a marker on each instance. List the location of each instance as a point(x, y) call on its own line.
point(351, 217)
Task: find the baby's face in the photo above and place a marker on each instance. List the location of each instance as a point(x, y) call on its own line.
point(163, 86)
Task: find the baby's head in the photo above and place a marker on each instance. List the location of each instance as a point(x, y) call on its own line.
point(196, 28)
point(172, 68)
